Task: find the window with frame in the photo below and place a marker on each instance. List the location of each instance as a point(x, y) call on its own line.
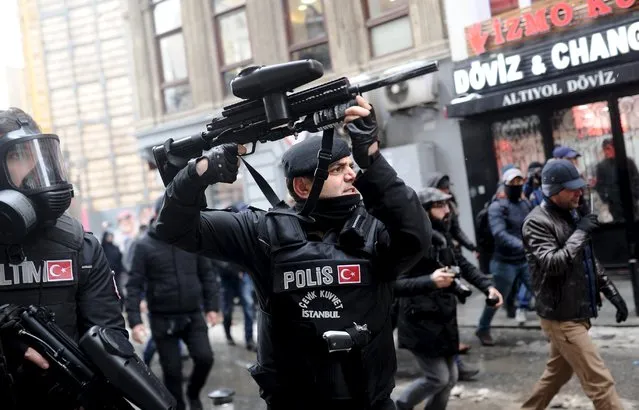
point(389, 26)
point(307, 35)
point(501, 6)
point(232, 38)
point(169, 40)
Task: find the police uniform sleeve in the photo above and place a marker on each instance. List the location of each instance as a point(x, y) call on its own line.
point(98, 299)
point(217, 234)
point(407, 233)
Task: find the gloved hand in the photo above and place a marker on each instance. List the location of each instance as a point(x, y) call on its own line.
point(588, 223)
point(223, 164)
point(363, 132)
point(622, 309)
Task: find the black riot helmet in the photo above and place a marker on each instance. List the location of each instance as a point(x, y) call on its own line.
point(34, 188)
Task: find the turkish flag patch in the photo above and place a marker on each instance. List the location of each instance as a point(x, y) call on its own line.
point(59, 270)
point(348, 274)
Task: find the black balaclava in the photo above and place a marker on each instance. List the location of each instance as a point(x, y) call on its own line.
point(513, 192)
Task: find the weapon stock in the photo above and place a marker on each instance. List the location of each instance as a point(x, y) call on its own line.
point(82, 376)
point(271, 114)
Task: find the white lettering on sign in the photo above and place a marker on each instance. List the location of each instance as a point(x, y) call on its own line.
point(563, 55)
point(503, 70)
point(580, 83)
point(585, 82)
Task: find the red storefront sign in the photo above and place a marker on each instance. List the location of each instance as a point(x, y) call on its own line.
point(532, 23)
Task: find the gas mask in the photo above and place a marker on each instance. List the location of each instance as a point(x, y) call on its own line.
point(34, 190)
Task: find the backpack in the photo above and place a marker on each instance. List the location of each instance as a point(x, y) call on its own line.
point(485, 240)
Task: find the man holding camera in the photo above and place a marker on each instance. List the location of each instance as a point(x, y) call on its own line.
point(330, 272)
point(427, 323)
point(567, 280)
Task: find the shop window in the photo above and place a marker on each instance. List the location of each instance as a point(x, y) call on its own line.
point(518, 142)
point(174, 79)
point(500, 6)
point(586, 129)
point(232, 38)
point(629, 111)
point(388, 25)
point(307, 31)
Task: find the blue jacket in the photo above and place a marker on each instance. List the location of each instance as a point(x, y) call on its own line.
point(506, 219)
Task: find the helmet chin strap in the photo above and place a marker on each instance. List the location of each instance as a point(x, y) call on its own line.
point(324, 159)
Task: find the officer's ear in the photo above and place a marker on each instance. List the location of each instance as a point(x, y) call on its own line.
point(302, 186)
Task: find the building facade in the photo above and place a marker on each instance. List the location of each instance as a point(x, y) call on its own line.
point(186, 52)
point(77, 71)
point(533, 74)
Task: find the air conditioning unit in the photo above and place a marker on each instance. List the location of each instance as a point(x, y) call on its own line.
point(410, 93)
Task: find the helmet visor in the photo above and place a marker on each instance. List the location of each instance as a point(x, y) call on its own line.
point(35, 164)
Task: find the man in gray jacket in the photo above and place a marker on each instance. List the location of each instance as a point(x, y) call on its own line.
point(567, 279)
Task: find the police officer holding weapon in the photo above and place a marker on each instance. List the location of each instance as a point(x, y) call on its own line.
point(55, 287)
point(323, 278)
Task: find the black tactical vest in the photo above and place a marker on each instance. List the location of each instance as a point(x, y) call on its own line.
point(49, 274)
point(319, 286)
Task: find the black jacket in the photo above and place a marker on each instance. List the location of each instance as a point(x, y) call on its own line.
point(173, 280)
point(402, 238)
point(555, 253)
point(113, 255)
point(455, 228)
point(427, 322)
point(90, 298)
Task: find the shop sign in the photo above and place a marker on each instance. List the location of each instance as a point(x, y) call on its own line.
point(539, 21)
point(560, 57)
point(582, 82)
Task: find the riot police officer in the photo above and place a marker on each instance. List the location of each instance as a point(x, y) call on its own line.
point(330, 272)
point(46, 258)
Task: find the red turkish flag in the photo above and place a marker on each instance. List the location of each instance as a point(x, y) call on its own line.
point(348, 274)
point(59, 270)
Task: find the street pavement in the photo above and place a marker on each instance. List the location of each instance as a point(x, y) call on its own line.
point(508, 370)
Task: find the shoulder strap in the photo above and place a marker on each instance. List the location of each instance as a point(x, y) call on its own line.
point(324, 158)
point(67, 231)
point(283, 229)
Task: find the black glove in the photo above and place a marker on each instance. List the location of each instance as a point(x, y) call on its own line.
point(223, 164)
point(363, 132)
point(622, 309)
point(588, 223)
point(612, 294)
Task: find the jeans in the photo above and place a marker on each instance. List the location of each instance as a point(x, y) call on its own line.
point(504, 275)
point(440, 376)
point(167, 331)
point(243, 289)
point(523, 297)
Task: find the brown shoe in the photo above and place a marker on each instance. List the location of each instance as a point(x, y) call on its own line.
point(463, 348)
point(485, 338)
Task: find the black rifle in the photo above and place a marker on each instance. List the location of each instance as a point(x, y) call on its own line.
point(268, 113)
point(101, 372)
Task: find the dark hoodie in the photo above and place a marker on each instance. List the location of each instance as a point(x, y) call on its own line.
point(455, 228)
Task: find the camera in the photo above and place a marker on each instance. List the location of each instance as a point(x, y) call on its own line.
point(458, 288)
